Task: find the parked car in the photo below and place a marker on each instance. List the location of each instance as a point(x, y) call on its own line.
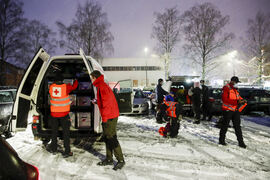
point(7, 98)
point(257, 99)
point(12, 166)
point(215, 100)
point(32, 99)
point(140, 103)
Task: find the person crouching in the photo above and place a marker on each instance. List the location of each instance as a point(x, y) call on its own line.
point(171, 112)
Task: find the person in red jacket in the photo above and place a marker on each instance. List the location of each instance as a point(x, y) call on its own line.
point(109, 111)
point(60, 107)
point(232, 105)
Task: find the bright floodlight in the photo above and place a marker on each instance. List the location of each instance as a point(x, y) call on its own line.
point(146, 49)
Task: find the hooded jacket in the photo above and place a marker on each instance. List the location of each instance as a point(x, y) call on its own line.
point(106, 101)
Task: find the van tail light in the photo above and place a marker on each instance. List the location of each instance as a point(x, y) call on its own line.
point(211, 99)
point(32, 172)
point(35, 119)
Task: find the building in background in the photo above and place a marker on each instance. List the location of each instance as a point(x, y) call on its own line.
point(142, 71)
point(10, 75)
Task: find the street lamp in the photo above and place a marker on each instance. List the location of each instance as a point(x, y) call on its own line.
point(146, 79)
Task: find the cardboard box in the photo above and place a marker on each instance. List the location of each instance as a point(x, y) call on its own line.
point(84, 119)
point(84, 101)
point(84, 85)
point(72, 116)
point(73, 98)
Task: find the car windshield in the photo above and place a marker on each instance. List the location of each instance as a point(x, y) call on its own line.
point(254, 92)
point(139, 94)
point(5, 97)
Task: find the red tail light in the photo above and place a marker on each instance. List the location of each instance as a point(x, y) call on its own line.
point(35, 119)
point(211, 99)
point(32, 172)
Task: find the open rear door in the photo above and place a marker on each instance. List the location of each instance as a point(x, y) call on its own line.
point(97, 116)
point(22, 103)
point(123, 93)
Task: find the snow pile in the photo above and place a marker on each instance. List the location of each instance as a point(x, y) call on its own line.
point(194, 154)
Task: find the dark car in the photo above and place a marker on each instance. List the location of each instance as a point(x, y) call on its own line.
point(215, 100)
point(12, 166)
point(257, 99)
point(7, 98)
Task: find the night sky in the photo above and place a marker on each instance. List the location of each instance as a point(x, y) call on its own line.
point(132, 20)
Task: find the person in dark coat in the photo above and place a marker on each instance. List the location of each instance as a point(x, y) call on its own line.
point(206, 106)
point(196, 101)
point(160, 93)
point(109, 111)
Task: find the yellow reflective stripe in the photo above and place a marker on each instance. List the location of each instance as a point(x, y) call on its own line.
point(61, 105)
point(229, 107)
point(62, 99)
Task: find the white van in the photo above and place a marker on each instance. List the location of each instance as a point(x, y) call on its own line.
point(32, 104)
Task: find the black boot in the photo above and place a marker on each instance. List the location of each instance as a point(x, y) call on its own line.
point(242, 145)
point(119, 165)
point(222, 143)
point(105, 162)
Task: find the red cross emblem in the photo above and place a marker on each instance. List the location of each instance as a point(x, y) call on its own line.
point(57, 91)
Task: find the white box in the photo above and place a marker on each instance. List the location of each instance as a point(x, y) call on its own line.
point(84, 101)
point(84, 85)
point(84, 119)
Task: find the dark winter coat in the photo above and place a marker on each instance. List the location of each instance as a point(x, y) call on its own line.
point(106, 101)
point(205, 95)
point(160, 93)
point(196, 97)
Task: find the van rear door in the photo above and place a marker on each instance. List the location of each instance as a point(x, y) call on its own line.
point(123, 93)
point(23, 98)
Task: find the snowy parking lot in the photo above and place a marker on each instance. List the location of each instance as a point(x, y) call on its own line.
point(194, 154)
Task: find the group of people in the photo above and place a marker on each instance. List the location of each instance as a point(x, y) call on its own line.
point(232, 105)
point(108, 107)
point(200, 101)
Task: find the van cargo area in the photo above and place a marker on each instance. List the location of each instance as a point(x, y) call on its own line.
point(82, 110)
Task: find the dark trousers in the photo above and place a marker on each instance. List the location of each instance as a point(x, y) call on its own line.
point(65, 123)
point(111, 142)
point(206, 111)
point(235, 117)
point(197, 111)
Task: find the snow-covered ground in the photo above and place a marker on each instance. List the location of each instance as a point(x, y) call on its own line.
point(194, 154)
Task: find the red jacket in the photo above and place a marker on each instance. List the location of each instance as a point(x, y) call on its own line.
point(232, 103)
point(69, 89)
point(106, 101)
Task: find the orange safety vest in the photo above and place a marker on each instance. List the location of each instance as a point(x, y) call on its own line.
point(234, 95)
point(59, 99)
point(171, 108)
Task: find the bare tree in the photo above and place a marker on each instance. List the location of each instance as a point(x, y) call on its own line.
point(257, 38)
point(166, 32)
point(10, 20)
point(34, 34)
point(89, 30)
point(203, 25)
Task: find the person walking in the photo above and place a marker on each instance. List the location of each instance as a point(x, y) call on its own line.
point(206, 107)
point(60, 107)
point(196, 101)
point(232, 105)
point(109, 111)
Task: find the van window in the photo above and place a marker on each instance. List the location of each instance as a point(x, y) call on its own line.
point(31, 78)
point(5, 97)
